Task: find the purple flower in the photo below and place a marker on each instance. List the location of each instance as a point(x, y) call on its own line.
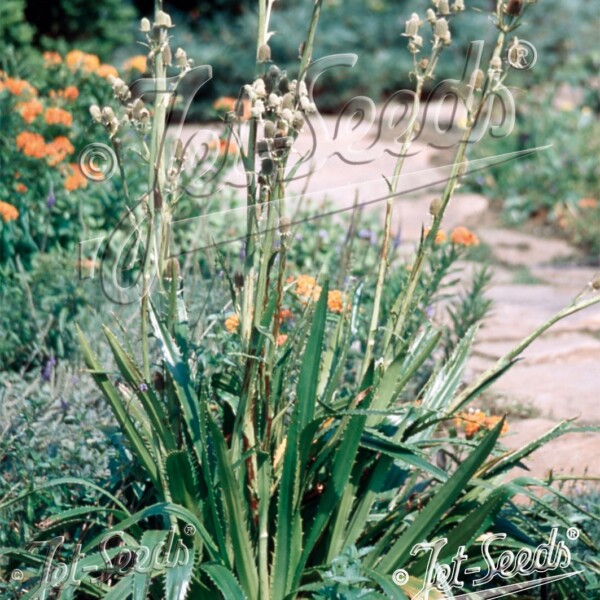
point(64, 405)
point(429, 312)
point(51, 199)
point(143, 387)
point(368, 234)
point(324, 235)
point(48, 369)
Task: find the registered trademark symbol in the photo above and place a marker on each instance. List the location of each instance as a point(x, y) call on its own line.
point(189, 530)
point(572, 533)
point(400, 577)
point(521, 55)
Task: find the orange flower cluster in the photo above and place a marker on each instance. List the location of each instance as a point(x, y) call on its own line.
point(76, 59)
point(137, 63)
point(281, 339)
point(306, 287)
point(106, 70)
point(31, 144)
point(75, 178)
point(58, 116)
point(232, 323)
point(440, 236)
point(30, 110)
point(52, 59)
point(58, 150)
point(21, 188)
point(475, 421)
point(17, 87)
point(70, 93)
point(461, 236)
point(587, 203)
point(8, 212)
point(335, 301)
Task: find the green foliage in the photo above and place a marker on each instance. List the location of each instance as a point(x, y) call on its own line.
point(558, 185)
point(98, 27)
point(37, 308)
point(14, 29)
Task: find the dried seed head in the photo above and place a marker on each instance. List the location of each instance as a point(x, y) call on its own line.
point(412, 25)
point(595, 284)
point(435, 206)
point(298, 120)
point(441, 28)
point(96, 113)
point(181, 59)
point(145, 25)
point(274, 100)
point(287, 115)
point(269, 129)
point(264, 53)
point(430, 16)
point(163, 20)
point(167, 56)
point(444, 7)
point(424, 63)
point(478, 79)
point(258, 109)
point(259, 87)
point(172, 268)
point(288, 101)
point(496, 63)
point(513, 8)
point(458, 6)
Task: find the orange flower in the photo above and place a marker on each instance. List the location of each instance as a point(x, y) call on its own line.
point(225, 103)
point(76, 59)
point(138, 63)
point(58, 116)
point(335, 301)
point(306, 286)
point(587, 203)
point(106, 70)
point(75, 178)
point(30, 110)
point(21, 188)
point(440, 236)
point(70, 93)
point(52, 58)
point(232, 323)
point(281, 339)
point(463, 237)
point(8, 212)
point(58, 150)
point(18, 87)
point(31, 144)
point(474, 421)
